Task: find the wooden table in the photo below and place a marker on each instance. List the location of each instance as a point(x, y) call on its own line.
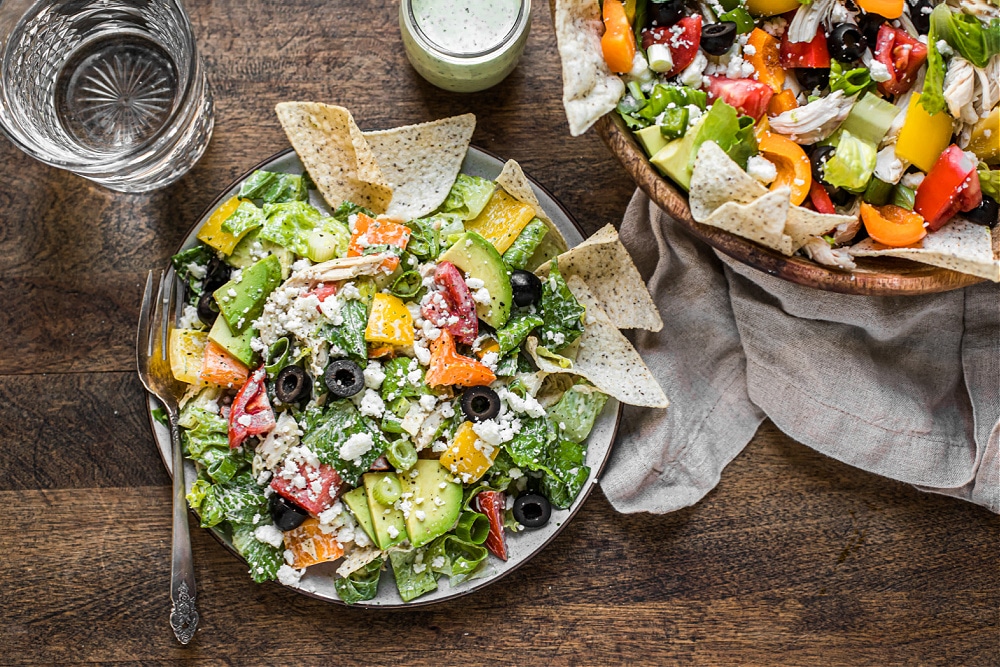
point(794, 559)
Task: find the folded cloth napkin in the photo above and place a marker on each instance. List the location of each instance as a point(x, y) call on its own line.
point(904, 387)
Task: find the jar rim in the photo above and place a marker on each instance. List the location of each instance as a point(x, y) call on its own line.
point(430, 45)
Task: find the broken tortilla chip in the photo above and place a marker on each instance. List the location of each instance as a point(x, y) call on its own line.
point(718, 181)
point(761, 221)
point(605, 357)
point(590, 89)
point(609, 272)
point(960, 246)
point(420, 162)
point(517, 185)
point(335, 153)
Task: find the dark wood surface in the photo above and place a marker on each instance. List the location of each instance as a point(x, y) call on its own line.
point(794, 559)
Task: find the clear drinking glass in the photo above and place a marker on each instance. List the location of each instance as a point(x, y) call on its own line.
point(112, 90)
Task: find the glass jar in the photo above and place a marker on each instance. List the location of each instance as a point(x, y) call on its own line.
point(464, 45)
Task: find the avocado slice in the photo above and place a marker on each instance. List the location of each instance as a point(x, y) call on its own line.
point(676, 159)
point(479, 259)
point(243, 255)
point(651, 139)
point(357, 502)
point(237, 345)
point(387, 521)
point(442, 501)
point(242, 301)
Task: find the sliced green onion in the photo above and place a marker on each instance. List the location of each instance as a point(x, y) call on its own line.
point(278, 354)
point(402, 455)
point(407, 285)
point(387, 490)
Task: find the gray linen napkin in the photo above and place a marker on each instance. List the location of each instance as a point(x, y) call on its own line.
point(904, 387)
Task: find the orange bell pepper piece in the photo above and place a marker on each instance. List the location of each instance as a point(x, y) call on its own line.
point(368, 232)
point(891, 9)
point(766, 59)
point(221, 368)
point(618, 42)
point(782, 102)
point(792, 165)
point(893, 225)
point(310, 545)
point(448, 367)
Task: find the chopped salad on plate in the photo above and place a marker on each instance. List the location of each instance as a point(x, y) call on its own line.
point(392, 365)
point(835, 129)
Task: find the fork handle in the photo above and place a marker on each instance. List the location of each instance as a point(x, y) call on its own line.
point(183, 614)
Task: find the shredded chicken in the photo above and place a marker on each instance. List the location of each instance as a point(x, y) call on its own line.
point(846, 231)
point(982, 9)
point(888, 166)
point(814, 121)
point(960, 89)
point(336, 270)
point(820, 252)
point(807, 19)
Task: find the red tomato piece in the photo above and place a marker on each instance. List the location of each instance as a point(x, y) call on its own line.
point(314, 492)
point(251, 410)
point(682, 38)
point(805, 54)
point(748, 96)
point(902, 55)
point(492, 504)
point(820, 199)
point(454, 300)
point(322, 292)
point(952, 185)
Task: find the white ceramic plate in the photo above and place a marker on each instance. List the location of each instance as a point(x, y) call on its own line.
point(318, 580)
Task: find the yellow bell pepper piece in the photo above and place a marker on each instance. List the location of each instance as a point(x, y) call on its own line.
point(211, 232)
point(771, 7)
point(186, 350)
point(465, 459)
point(923, 137)
point(985, 138)
point(389, 322)
point(502, 220)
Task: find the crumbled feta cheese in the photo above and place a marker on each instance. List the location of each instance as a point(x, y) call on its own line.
point(691, 76)
point(374, 374)
point(879, 72)
point(289, 576)
point(244, 420)
point(428, 402)
point(356, 446)
point(372, 404)
point(189, 318)
point(474, 283)
point(762, 169)
point(269, 534)
point(481, 295)
point(392, 531)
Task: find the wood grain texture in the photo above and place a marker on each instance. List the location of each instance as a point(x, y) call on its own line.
point(794, 559)
point(874, 276)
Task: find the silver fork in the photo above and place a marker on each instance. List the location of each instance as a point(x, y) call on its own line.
point(155, 322)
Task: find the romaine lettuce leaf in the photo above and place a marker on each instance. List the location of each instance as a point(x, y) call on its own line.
point(524, 246)
point(562, 314)
point(289, 225)
point(404, 378)
point(341, 420)
point(238, 501)
point(852, 164)
point(468, 196)
point(974, 41)
point(512, 334)
point(455, 558)
point(349, 335)
point(203, 430)
point(264, 560)
point(932, 95)
point(246, 217)
point(576, 411)
point(362, 584)
point(731, 131)
point(273, 187)
point(347, 209)
point(529, 448)
point(410, 582)
point(567, 473)
point(190, 266)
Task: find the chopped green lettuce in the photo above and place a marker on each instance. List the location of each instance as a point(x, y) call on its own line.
point(247, 216)
point(190, 265)
point(566, 473)
point(289, 225)
point(238, 501)
point(413, 576)
point(562, 314)
point(852, 164)
point(347, 209)
point(576, 411)
point(870, 119)
point(264, 559)
point(349, 336)
point(966, 34)
point(730, 130)
point(197, 494)
point(360, 585)
point(516, 330)
point(456, 558)
point(425, 241)
point(339, 421)
point(468, 196)
point(273, 187)
point(524, 246)
point(404, 378)
point(528, 449)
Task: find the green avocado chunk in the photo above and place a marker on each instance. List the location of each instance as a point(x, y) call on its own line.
point(387, 522)
point(675, 159)
point(237, 345)
point(479, 259)
point(651, 139)
point(440, 501)
point(357, 502)
point(242, 301)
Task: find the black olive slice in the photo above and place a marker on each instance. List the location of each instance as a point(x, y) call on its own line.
point(532, 510)
point(480, 403)
point(291, 385)
point(344, 378)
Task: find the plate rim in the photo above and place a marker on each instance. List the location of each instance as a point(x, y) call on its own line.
point(475, 587)
point(925, 279)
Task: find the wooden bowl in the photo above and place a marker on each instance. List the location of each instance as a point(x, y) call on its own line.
point(874, 276)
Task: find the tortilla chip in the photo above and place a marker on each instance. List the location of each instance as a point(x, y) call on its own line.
point(335, 154)
point(761, 221)
point(420, 162)
point(517, 185)
point(606, 267)
point(960, 246)
point(605, 357)
point(590, 89)
point(718, 180)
